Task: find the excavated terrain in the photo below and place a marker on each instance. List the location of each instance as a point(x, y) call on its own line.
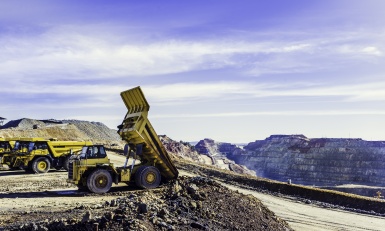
point(47, 202)
point(195, 201)
point(316, 161)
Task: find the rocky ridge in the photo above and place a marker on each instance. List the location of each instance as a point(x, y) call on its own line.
point(218, 151)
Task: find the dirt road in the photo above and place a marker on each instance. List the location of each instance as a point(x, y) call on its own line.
point(301, 216)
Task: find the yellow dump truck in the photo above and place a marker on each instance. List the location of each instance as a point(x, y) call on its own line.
point(38, 155)
point(96, 173)
point(6, 146)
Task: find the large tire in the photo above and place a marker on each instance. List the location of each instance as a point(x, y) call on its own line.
point(147, 177)
point(99, 181)
point(41, 165)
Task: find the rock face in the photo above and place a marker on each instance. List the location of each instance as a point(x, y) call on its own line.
point(321, 161)
point(206, 151)
point(218, 152)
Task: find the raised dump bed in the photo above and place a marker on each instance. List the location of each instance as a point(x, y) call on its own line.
point(137, 129)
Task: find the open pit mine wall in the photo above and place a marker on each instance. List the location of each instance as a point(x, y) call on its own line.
point(320, 161)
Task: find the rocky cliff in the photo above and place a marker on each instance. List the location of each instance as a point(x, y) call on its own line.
point(320, 161)
point(218, 152)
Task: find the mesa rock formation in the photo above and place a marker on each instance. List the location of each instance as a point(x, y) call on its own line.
point(318, 161)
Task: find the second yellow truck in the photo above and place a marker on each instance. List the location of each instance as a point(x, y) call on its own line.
point(38, 155)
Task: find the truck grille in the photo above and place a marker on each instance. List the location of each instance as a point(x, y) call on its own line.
point(70, 170)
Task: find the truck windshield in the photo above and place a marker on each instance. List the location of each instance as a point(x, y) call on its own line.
point(90, 152)
point(30, 146)
point(22, 146)
point(84, 151)
point(17, 146)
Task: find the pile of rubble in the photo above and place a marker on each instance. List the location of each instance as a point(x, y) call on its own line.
point(185, 204)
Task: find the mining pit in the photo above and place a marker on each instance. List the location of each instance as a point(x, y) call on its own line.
point(215, 191)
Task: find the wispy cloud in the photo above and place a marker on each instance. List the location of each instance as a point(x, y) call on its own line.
point(230, 90)
point(107, 95)
point(67, 51)
point(273, 113)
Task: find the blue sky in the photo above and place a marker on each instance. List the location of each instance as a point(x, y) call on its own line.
point(233, 71)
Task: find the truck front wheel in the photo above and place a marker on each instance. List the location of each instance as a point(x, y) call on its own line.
point(147, 177)
point(99, 181)
point(41, 165)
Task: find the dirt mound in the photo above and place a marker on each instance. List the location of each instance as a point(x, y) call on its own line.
point(61, 129)
point(95, 130)
point(23, 123)
point(184, 204)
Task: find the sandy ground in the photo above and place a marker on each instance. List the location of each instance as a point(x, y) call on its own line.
point(22, 195)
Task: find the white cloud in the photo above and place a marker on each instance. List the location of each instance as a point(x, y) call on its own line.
point(273, 113)
point(69, 51)
point(107, 95)
point(227, 90)
point(372, 51)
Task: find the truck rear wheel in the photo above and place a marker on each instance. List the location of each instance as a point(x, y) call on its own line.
point(41, 165)
point(99, 181)
point(147, 177)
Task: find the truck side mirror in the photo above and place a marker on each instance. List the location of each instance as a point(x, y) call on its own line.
point(126, 149)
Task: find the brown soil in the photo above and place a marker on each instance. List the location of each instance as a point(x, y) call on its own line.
point(47, 202)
